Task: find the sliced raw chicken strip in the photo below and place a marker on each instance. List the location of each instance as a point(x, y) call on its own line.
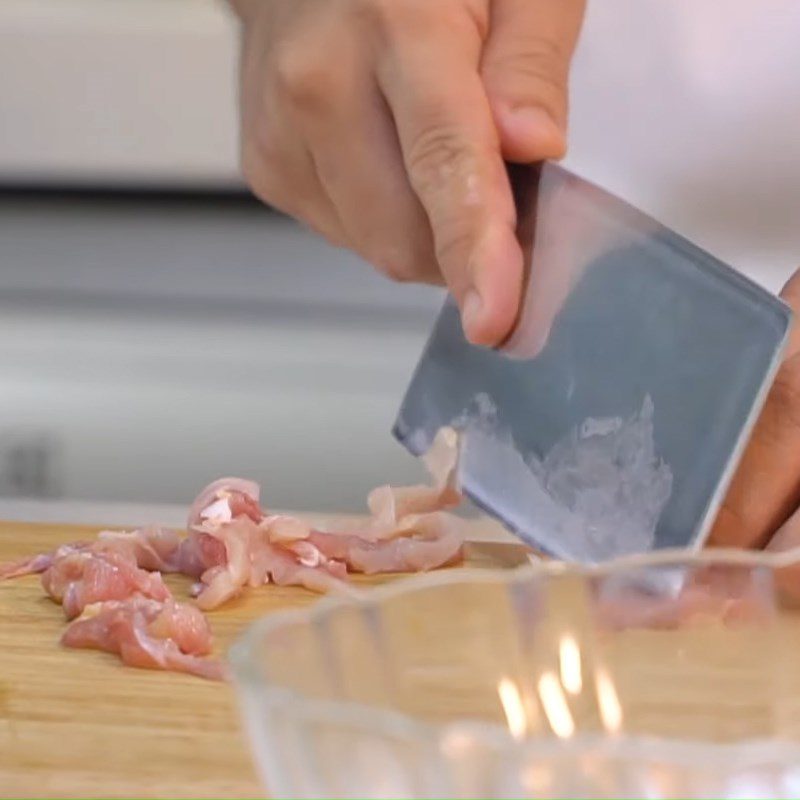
point(243, 493)
point(281, 528)
point(149, 634)
point(33, 565)
point(152, 547)
point(225, 580)
point(429, 541)
point(390, 504)
point(315, 572)
point(80, 578)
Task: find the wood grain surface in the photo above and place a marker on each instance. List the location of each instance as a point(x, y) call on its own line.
point(76, 723)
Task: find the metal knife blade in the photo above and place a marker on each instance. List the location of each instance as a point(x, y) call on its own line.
point(612, 419)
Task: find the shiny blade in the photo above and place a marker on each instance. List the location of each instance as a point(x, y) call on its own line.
point(611, 421)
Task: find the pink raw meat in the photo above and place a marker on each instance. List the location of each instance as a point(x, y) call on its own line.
point(243, 494)
point(152, 548)
point(302, 565)
point(281, 528)
point(389, 505)
point(428, 541)
point(38, 563)
point(79, 578)
point(115, 583)
point(226, 579)
point(149, 634)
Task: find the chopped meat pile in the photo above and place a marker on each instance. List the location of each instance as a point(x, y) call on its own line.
point(113, 592)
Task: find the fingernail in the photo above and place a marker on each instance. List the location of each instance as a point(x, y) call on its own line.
point(533, 117)
point(471, 310)
point(534, 124)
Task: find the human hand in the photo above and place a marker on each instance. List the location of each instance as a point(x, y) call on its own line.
point(762, 508)
point(384, 126)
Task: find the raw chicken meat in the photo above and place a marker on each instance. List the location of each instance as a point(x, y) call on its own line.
point(256, 548)
point(78, 578)
point(407, 533)
point(240, 496)
point(38, 563)
point(114, 591)
point(150, 634)
point(82, 573)
point(389, 505)
point(302, 564)
point(428, 541)
point(152, 548)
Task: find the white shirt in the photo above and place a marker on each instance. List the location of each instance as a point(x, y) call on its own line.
point(690, 109)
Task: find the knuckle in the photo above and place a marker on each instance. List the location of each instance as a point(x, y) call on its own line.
point(264, 181)
point(531, 61)
point(392, 22)
point(251, 163)
point(387, 17)
point(264, 149)
point(394, 263)
point(453, 245)
point(300, 76)
point(436, 156)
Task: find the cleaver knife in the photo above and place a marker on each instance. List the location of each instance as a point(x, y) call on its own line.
point(612, 419)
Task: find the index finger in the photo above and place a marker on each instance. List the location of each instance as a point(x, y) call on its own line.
point(451, 151)
point(766, 488)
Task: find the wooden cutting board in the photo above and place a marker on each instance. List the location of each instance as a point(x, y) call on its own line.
point(77, 724)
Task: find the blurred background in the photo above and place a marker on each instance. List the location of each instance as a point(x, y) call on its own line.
point(159, 327)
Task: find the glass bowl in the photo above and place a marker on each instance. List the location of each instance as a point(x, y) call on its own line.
point(660, 676)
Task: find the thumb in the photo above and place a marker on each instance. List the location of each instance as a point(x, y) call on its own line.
point(525, 70)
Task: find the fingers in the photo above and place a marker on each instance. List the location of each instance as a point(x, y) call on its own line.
point(360, 167)
point(290, 184)
point(452, 156)
point(526, 71)
point(394, 149)
point(766, 488)
point(275, 161)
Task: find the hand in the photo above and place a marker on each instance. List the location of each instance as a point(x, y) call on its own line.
point(762, 508)
point(384, 125)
